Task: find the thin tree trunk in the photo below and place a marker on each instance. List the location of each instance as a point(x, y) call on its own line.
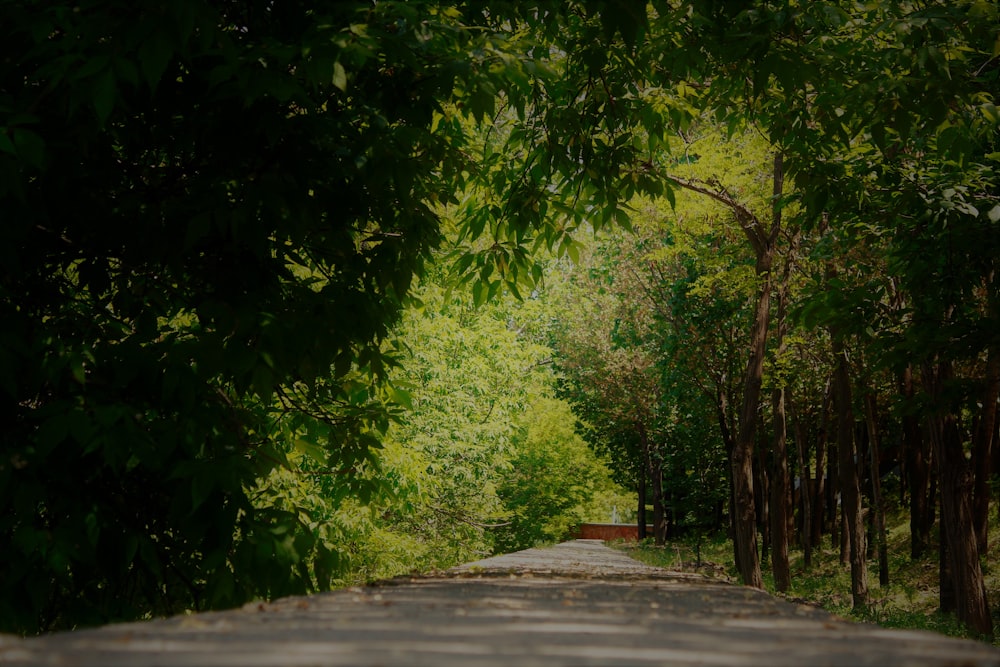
point(878, 515)
point(655, 469)
point(781, 487)
point(917, 468)
point(982, 451)
point(836, 511)
point(722, 414)
point(780, 496)
point(850, 484)
point(659, 511)
point(805, 490)
point(762, 486)
point(946, 582)
point(822, 470)
point(641, 514)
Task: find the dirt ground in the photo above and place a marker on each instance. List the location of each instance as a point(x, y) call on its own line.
point(578, 603)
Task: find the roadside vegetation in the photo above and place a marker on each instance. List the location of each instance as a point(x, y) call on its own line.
point(909, 602)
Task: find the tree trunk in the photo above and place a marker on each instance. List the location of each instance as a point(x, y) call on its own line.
point(961, 557)
point(659, 512)
point(982, 451)
point(805, 491)
point(835, 509)
point(780, 496)
point(946, 582)
point(655, 470)
point(744, 519)
point(722, 415)
point(781, 487)
point(878, 513)
point(743, 449)
point(762, 501)
point(641, 514)
point(850, 484)
point(917, 470)
point(822, 470)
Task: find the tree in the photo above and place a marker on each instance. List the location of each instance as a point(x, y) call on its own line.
point(924, 165)
point(555, 481)
point(608, 370)
point(213, 215)
point(763, 238)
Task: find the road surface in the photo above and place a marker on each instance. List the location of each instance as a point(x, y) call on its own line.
point(578, 603)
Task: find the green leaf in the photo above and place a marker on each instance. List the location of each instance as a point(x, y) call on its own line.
point(313, 451)
point(6, 145)
point(221, 588)
point(573, 250)
point(397, 395)
point(105, 91)
point(512, 286)
point(154, 55)
point(93, 528)
point(622, 219)
point(479, 292)
point(202, 484)
point(78, 371)
point(339, 76)
point(30, 147)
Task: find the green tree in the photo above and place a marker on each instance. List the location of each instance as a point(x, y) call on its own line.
point(213, 212)
point(555, 482)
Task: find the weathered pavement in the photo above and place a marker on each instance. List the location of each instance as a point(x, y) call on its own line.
point(579, 603)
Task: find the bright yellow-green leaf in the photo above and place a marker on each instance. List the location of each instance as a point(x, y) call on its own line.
point(311, 450)
point(339, 76)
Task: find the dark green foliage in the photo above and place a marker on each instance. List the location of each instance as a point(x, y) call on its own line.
point(212, 213)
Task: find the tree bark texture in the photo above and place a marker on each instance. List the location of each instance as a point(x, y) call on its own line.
point(641, 513)
point(822, 470)
point(878, 504)
point(780, 496)
point(762, 500)
point(746, 516)
point(850, 484)
point(655, 469)
point(961, 558)
point(917, 461)
point(983, 445)
point(805, 491)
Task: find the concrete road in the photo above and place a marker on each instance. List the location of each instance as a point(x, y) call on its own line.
point(579, 603)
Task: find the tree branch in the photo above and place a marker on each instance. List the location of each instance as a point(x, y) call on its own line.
point(749, 222)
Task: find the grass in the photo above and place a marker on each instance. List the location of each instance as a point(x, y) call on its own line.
point(909, 602)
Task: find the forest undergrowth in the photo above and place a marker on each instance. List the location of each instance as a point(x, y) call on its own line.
point(910, 601)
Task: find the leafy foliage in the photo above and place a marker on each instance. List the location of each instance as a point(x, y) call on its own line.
point(213, 214)
point(555, 482)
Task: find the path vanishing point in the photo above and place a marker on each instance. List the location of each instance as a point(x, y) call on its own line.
point(578, 603)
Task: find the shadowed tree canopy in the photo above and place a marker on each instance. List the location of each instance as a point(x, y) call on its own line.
point(212, 215)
